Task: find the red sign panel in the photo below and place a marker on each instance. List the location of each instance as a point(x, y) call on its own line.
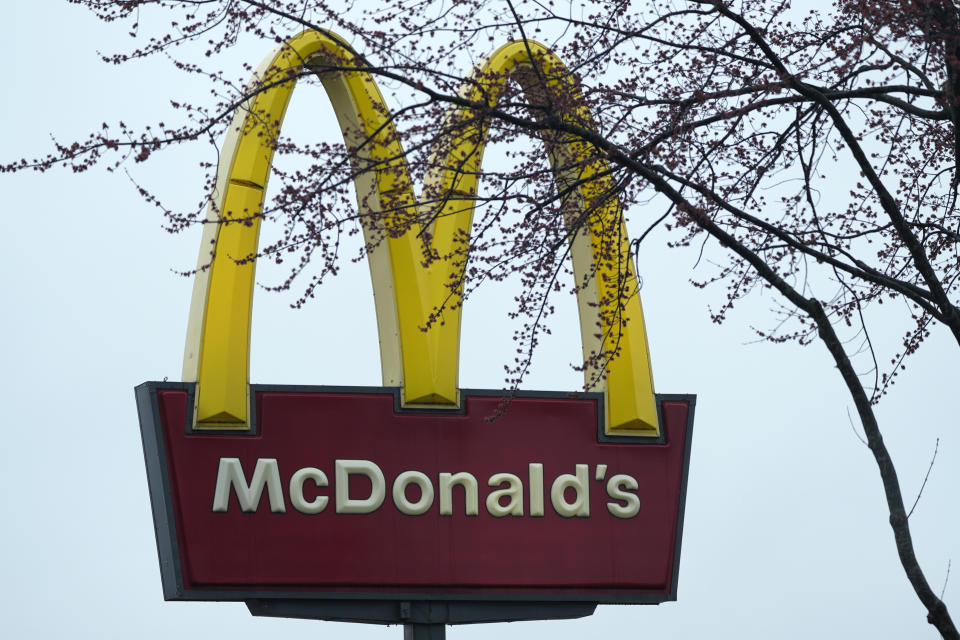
point(341, 492)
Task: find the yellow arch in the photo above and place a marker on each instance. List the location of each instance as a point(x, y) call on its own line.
point(425, 364)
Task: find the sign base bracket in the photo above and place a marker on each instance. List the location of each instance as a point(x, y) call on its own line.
point(414, 614)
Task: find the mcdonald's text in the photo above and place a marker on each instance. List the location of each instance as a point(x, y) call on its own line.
point(569, 493)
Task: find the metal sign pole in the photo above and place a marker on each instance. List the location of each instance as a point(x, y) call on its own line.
point(419, 631)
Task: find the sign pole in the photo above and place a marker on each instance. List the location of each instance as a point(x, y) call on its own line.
point(419, 631)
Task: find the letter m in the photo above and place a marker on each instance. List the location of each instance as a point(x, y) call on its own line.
point(230, 475)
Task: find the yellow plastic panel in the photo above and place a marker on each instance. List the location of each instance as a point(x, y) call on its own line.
point(627, 379)
point(431, 356)
point(413, 280)
point(225, 352)
point(222, 398)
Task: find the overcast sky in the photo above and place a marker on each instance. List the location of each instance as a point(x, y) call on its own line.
point(786, 531)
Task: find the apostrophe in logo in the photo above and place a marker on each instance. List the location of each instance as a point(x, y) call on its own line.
point(424, 364)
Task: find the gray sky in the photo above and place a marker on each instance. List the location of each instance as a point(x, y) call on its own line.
point(786, 531)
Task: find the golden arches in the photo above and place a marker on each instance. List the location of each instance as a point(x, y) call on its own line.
point(425, 364)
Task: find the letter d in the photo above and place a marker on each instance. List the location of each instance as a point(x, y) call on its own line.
point(580, 484)
point(343, 469)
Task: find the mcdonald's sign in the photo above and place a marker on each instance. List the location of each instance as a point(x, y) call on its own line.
point(360, 503)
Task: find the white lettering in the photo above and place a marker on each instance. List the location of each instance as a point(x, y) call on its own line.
point(615, 490)
point(423, 504)
point(580, 507)
point(569, 493)
point(230, 475)
point(470, 491)
point(319, 478)
point(514, 492)
point(342, 470)
point(535, 473)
